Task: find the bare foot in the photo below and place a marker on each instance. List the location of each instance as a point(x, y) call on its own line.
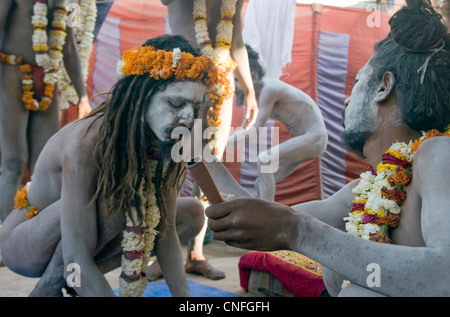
point(154, 272)
point(203, 268)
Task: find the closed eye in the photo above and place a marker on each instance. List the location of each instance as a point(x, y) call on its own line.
point(177, 104)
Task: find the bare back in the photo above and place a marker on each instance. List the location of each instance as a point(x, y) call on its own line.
point(70, 141)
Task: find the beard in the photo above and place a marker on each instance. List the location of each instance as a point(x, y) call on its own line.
point(154, 144)
point(354, 141)
point(364, 121)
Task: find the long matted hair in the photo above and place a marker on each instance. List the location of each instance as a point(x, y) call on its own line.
point(126, 144)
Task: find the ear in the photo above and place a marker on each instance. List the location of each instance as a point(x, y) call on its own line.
point(386, 88)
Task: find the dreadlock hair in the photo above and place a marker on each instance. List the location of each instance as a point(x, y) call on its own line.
point(125, 141)
point(253, 59)
point(416, 32)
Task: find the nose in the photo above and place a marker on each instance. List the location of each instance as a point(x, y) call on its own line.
point(186, 116)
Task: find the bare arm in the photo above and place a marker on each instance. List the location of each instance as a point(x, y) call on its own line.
point(405, 270)
point(168, 252)
point(79, 222)
point(72, 63)
point(333, 209)
point(266, 101)
point(239, 54)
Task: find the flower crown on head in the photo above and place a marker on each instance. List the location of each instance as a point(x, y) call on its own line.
point(160, 64)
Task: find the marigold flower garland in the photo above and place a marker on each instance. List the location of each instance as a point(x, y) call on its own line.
point(21, 202)
point(49, 52)
point(84, 38)
point(162, 64)
point(219, 54)
point(381, 192)
point(138, 243)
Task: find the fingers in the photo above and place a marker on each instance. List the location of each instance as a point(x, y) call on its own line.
point(250, 116)
point(218, 225)
point(219, 210)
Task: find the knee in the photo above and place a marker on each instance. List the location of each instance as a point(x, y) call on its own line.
point(320, 143)
point(191, 213)
point(190, 218)
point(196, 213)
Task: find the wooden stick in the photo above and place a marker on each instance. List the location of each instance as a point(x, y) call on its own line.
point(204, 179)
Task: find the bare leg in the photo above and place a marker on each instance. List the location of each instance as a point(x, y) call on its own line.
point(196, 261)
point(190, 220)
point(52, 281)
point(28, 245)
point(285, 158)
point(42, 125)
point(13, 143)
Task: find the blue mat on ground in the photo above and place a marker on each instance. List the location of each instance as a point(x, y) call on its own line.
point(160, 289)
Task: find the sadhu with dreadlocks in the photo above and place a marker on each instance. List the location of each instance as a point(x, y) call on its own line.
point(104, 192)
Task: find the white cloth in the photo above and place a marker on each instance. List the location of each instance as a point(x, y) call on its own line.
point(269, 30)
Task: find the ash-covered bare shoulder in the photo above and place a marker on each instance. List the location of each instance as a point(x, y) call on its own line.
point(78, 139)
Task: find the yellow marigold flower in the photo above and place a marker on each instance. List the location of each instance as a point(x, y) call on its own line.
point(397, 154)
point(32, 212)
point(42, 47)
point(382, 167)
point(379, 213)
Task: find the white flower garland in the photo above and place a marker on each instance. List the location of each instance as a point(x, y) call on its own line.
point(380, 195)
point(84, 38)
point(138, 244)
point(48, 50)
point(369, 191)
point(220, 52)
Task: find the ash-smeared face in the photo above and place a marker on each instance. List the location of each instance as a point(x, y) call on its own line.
point(176, 106)
point(360, 117)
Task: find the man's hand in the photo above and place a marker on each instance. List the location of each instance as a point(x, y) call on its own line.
point(251, 110)
point(84, 108)
point(254, 224)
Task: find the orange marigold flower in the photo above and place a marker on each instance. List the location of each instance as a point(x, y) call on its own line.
point(48, 90)
point(32, 212)
point(20, 201)
point(25, 68)
point(432, 133)
point(390, 219)
point(44, 104)
point(400, 177)
point(415, 145)
point(27, 98)
point(380, 237)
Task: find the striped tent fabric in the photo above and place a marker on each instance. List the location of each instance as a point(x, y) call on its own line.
point(330, 45)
